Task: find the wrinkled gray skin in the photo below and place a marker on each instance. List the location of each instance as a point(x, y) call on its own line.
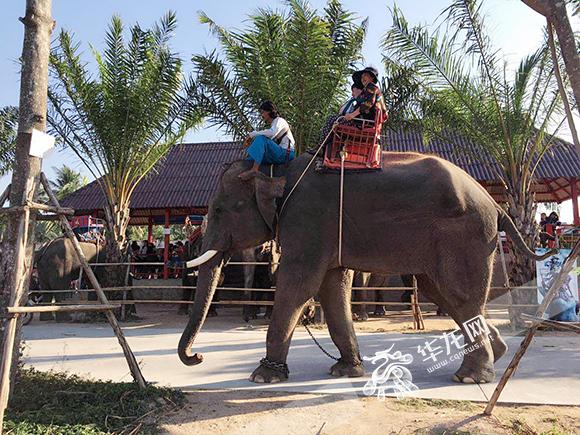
point(421, 215)
point(57, 265)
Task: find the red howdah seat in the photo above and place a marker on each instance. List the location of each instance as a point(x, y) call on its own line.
point(360, 143)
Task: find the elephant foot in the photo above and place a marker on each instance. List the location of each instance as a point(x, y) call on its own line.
point(380, 312)
point(349, 369)
point(466, 375)
point(360, 317)
point(269, 372)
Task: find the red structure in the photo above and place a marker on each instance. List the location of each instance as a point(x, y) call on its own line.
point(184, 182)
point(359, 144)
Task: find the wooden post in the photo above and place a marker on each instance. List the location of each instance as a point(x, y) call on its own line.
point(574, 191)
point(166, 245)
point(418, 322)
point(19, 242)
point(506, 283)
point(554, 288)
point(131, 361)
point(150, 230)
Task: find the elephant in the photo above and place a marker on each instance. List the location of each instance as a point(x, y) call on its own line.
point(362, 279)
point(419, 215)
point(264, 277)
point(58, 266)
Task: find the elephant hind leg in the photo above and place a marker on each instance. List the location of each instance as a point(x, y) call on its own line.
point(477, 365)
point(335, 295)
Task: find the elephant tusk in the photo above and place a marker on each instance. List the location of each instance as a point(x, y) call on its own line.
point(202, 259)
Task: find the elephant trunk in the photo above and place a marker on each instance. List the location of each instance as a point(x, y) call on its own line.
point(207, 281)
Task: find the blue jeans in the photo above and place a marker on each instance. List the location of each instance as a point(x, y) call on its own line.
point(264, 150)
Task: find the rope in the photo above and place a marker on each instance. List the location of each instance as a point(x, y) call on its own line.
point(279, 213)
point(340, 208)
point(307, 167)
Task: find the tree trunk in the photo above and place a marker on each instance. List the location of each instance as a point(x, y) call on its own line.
point(555, 12)
point(561, 88)
point(18, 245)
point(117, 219)
point(522, 209)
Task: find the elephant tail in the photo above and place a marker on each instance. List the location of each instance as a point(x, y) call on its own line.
point(506, 224)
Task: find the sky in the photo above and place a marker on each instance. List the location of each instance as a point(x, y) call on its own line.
point(515, 28)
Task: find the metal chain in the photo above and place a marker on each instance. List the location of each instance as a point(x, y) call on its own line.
point(317, 343)
point(278, 367)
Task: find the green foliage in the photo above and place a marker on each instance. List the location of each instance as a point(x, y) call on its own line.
point(67, 181)
point(299, 59)
point(122, 121)
point(462, 86)
point(59, 403)
point(8, 130)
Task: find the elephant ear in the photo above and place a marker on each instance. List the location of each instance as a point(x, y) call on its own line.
point(267, 191)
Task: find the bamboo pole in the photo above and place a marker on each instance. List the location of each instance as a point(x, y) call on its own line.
point(513, 365)
point(506, 279)
point(60, 308)
point(131, 361)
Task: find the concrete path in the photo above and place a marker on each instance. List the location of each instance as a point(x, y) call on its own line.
point(549, 373)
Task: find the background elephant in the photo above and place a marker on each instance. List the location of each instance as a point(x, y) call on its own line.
point(420, 215)
point(362, 279)
point(236, 276)
point(264, 278)
point(58, 266)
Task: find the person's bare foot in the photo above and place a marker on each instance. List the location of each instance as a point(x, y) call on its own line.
point(246, 175)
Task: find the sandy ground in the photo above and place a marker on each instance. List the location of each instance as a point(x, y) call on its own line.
point(237, 412)
point(227, 411)
point(250, 412)
point(393, 321)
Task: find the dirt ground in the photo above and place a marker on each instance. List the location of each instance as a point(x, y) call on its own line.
point(231, 317)
point(250, 412)
point(253, 412)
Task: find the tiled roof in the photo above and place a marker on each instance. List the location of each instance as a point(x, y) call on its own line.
point(560, 162)
point(553, 175)
point(186, 179)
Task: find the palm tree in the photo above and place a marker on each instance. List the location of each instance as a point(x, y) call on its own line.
point(8, 130)
point(67, 181)
point(123, 121)
point(300, 60)
point(464, 88)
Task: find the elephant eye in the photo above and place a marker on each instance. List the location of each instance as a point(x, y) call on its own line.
point(240, 203)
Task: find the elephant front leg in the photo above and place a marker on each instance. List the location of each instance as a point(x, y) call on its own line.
point(335, 294)
point(294, 288)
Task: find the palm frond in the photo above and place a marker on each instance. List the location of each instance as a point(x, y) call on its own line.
point(299, 59)
point(8, 133)
point(122, 122)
